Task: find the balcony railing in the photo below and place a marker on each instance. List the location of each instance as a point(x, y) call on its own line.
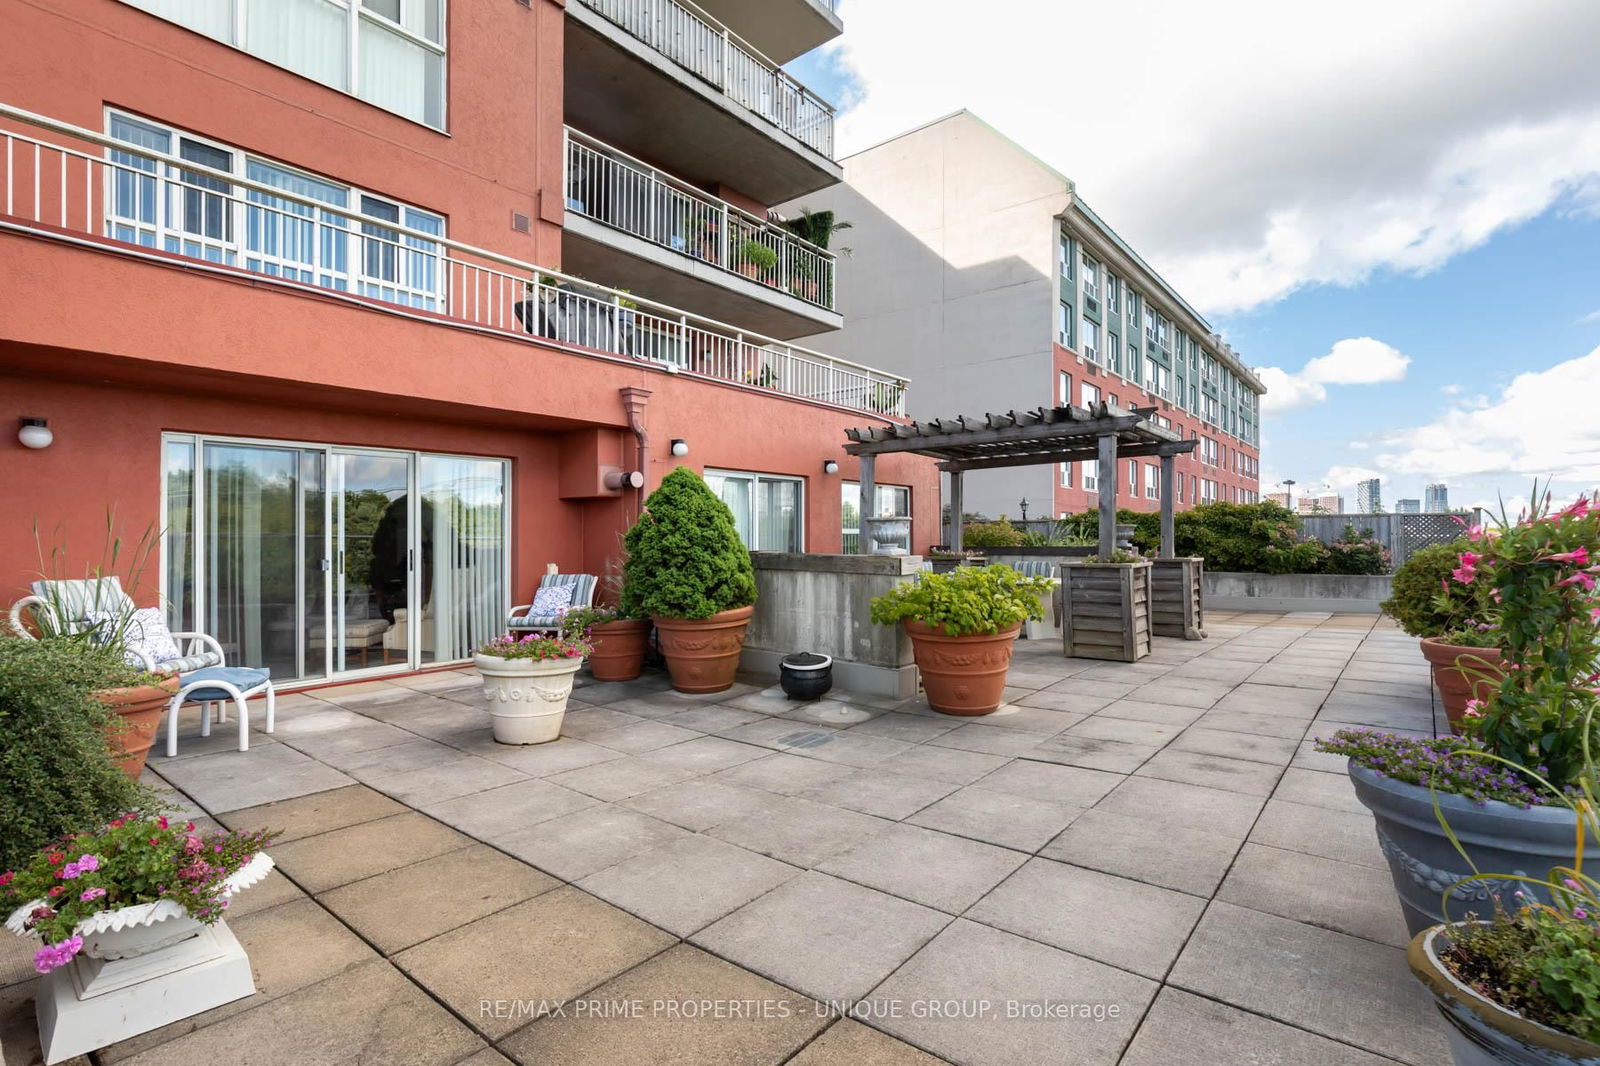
point(700, 44)
point(142, 202)
point(612, 187)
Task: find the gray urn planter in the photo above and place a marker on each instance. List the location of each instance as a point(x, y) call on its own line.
point(1500, 838)
point(1481, 1032)
point(890, 536)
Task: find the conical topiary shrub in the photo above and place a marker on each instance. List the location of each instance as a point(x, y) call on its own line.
point(689, 572)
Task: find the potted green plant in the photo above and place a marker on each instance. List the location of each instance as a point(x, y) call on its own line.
point(1534, 729)
point(688, 572)
point(1520, 986)
point(1455, 622)
point(527, 681)
point(1105, 607)
point(963, 626)
point(618, 644)
point(756, 259)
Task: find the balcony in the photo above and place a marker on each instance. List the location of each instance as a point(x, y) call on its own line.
point(782, 29)
point(679, 88)
point(651, 233)
point(158, 207)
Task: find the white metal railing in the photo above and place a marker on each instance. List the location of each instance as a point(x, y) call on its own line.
point(609, 186)
point(682, 32)
point(151, 203)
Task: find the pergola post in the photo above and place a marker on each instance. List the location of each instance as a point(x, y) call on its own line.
point(867, 505)
point(1108, 495)
point(1169, 465)
point(956, 531)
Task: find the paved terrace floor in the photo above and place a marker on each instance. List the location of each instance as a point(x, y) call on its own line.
point(1157, 838)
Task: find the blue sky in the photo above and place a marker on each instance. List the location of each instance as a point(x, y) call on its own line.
point(1312, 185)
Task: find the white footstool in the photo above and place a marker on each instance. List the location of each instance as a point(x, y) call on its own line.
point(215, 684)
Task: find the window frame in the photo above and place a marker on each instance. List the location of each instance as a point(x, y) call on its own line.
point(756, 477)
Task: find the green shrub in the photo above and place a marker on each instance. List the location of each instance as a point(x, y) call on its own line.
point(1426, 602)
point(759, 256)
point(1247, 537)
point(54, 759)
point(1001, 534)
point(685, 559)
point(1356, 553)
point(967, 600)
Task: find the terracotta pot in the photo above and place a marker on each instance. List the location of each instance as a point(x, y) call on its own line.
point(962, 675)
point(703, 653)
point(1462, 674)
point(619, 649)
point(139, 710)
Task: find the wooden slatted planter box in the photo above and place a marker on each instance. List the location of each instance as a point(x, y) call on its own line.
point(1105, 610)
point(1177, 598)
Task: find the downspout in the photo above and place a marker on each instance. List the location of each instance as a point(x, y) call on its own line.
point(634, 400)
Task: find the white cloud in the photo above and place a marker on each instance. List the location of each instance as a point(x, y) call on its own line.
point(1592, 316)
point(1251, 147)
point(1451, 390)
point(1353, 361)
point(1542, 425)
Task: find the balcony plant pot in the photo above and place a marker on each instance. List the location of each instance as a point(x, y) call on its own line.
point(1105, 610)
point(805, 676)
point(139, 710)
point(1480, 1031)
point(1462, 674)
point(890, 535)
point(703, 653)
point(527, 698)
point(1499, 837)
point(619, 649)
point(963, 675)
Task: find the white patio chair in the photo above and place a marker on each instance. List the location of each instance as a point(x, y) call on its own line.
point(522, 620)
point(73, 606)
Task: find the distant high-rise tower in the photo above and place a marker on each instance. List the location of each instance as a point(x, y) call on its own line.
point(1369, 496)
point(1436, 497)
point(1407, 506)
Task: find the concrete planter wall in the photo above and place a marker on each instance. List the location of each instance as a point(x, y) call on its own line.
point(1346, 593)
point(1177, 598)
point(1105, 611)
point(823, 604)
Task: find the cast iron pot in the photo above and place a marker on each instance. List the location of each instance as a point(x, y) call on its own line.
point(1501, 839)
point(806, 676)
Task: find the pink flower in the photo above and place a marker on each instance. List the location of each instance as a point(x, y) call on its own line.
point(162, 821)
point(1582, 577)
point(1580, 556)
point(86, 864)
point(1474, 709)
point(1594, 615)
point(1570, 883)
point(1578, 509)
point(192, 844)
point(7, 877)
point(92, 893)
point(54, 956)
point(1579, 912)
point(1464, 574)
point(1474, 533)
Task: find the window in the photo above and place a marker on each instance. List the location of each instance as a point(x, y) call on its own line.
point(768, 511)
point(393, 50)
point(1114, 353)
point(1133, 476)
point(892, 500)
point(1091, 395)
point(1178, 481)
point(1112, 400)
point(1067, 254)
point(1090, 341)
point(1091, 278)
point(1151, 479)
point(1064, 325)
point(205, 217)
point(1064, 389)
point(1113, 291)
point(1091, 475)
point(1066, 475)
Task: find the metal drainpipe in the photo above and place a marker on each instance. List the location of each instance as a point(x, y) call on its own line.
point(633, 402)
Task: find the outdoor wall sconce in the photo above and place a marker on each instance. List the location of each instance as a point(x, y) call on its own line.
point(35, 433)
point(680, 447)
point(830, 466)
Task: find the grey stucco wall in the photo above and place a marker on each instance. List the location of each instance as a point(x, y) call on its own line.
point(1345, 593)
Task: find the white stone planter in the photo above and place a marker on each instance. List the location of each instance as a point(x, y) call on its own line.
point(890, 536)
point(140, 968)
point(527, 698)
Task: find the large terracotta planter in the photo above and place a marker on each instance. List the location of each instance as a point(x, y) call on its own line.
point(139, 710)
point(1480, 1031)
point(703, 653)
point(1462, 674)
point(527, 698)
point(619, 649)
point(962, 675)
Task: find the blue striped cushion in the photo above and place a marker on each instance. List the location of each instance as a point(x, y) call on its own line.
point(583, 588)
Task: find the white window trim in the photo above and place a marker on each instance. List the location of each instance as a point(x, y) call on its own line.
point(759, 476)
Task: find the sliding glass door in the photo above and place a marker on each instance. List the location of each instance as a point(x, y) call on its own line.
point(316, 562)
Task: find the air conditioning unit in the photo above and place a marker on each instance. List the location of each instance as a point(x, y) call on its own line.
point(1091, 304)
point(1092, 370)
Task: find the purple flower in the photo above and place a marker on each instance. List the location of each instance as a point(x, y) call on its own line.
point(54, 956)
point(92, 894)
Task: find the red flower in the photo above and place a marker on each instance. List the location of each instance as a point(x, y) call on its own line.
point(56, 858)
point(6, 878)
point(56, 890)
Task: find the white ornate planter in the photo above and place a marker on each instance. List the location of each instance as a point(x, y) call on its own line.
point(890, 536)
point(527, 698)
point(141, 967)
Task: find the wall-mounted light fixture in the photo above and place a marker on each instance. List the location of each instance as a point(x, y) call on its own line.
point(680, 447)
point(830, 466)
point(35, 433)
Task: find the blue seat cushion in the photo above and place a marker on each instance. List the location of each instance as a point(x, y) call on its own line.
point(244, 678)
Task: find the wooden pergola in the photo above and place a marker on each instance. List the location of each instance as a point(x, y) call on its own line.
point(1045, 436)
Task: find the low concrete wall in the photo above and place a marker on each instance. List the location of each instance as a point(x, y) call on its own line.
point(823, 604)
point(1347, 593)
